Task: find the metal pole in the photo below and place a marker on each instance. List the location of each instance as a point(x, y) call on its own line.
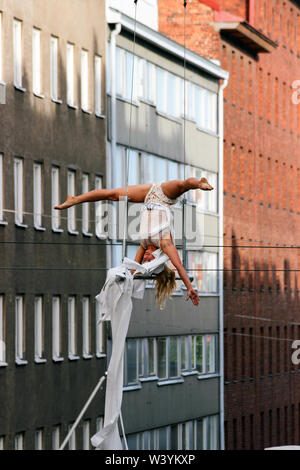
point(82, 413)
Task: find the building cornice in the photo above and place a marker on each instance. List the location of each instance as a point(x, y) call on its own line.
point(163, 42)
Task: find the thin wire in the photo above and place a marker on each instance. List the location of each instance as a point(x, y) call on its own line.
point(270, 320)
point(207, 235)
point(272, 338)
point(14, 242)
point(184, 129)
point(33, 268)
point(129, 139)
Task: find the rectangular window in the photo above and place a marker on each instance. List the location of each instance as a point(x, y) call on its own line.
point(70, 74)
point(56, 437)
point(2, 331)
point(131, 362)
point(126, 65)
point(72, 323)
point(162, 358)
point(20, 329)
point(71, 210)
point(184, 353)
point(19, 441)
point(37, 195)
point(39, 439)
point(98, 85)
point(55, 198)
point(205, 281)
point(1, 188)
point(2, 442)
point(84, 80)
point(36, 61)
point(56, 328)
point(86, 327)
point(161, 98)
point(85, 206)
point(99, 211)
point(99, 423)
point(151, 82)
point(72, 441)
point(173, 357)
point(38, 328)
point(86, 434)
point(19, 196)
point(210, 353)
point(54, 68)
point(151, 356)
point(211, 433)
point(100, 337)
point(17, 43)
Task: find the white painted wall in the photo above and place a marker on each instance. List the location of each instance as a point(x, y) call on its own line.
point(147, 10)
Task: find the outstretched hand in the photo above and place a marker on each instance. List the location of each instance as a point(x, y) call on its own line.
point(192, 294)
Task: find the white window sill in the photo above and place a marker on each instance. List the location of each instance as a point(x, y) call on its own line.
point(3, 222)
point(21, 362)
point(72, 106)
point(57, 359)
point(101, 116)
point(126, 100)
point(207, 131)
point(2, 83)
point(39, 95)
point(170, 382)
point(168, 116)
point(39, 229)
point(73, 358)
point(40, 360)
point(100, 355)
point(102, 237)
point(3, 364)
point(87, 234)
point(128, 388)
point(87, 356)
point(151, 378)
point(86, 111)
point(19, 88)
point(208, 376)
point(73, 232)
point(56, 100)
point(145, 101)
point(190, 372)
point(18, 224)
point(57, 230)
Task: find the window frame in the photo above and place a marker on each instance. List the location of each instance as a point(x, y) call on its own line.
point(39, 329)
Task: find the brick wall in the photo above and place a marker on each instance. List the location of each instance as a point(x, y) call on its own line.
point(262, 212)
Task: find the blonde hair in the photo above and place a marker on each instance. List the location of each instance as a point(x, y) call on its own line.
point(165, 284)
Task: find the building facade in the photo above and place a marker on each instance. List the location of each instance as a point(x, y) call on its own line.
point(258, 43)
point(173, 381)
point(52, 142)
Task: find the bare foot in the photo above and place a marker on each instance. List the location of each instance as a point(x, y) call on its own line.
point(204, 185)
point(68, 203)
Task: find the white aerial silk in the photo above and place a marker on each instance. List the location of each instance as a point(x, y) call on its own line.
point(116, 306)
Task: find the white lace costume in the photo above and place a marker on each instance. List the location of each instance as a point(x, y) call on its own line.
point(156, 218)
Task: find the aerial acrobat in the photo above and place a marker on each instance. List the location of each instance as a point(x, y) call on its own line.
point(157, 199)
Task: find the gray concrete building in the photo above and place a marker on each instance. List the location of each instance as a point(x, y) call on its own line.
point(173, 369)
point(52, 142)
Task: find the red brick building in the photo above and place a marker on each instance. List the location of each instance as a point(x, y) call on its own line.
point(258, 42)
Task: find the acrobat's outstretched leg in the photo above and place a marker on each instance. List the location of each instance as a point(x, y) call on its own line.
point(136, 193)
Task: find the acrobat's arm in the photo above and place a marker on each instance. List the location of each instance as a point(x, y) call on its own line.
point(169, 248)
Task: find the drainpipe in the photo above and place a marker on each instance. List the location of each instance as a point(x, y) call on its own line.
point(111, 149)
point(221, 264)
